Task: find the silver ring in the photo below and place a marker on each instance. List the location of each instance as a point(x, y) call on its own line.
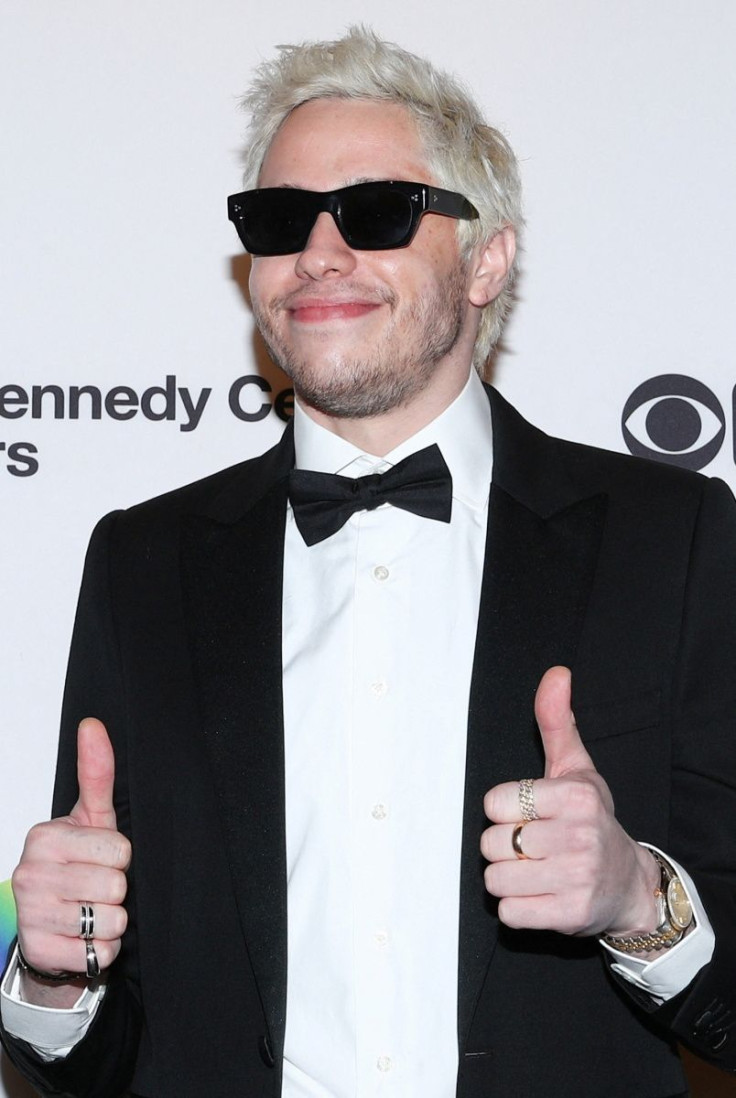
point(526, 800)
point(93, 965)
point(86, 921)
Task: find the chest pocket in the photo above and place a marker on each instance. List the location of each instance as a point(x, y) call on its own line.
point(619, 716)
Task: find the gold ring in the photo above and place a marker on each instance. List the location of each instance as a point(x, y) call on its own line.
point(526, 799)
point(516, 840)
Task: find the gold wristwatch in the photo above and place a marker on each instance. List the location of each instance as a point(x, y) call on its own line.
point(675, 914)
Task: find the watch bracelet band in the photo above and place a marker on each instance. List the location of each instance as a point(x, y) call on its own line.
point(657, 939)
point(642, 943)
point(52, 977)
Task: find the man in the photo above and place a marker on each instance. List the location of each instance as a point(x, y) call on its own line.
point(319, 693)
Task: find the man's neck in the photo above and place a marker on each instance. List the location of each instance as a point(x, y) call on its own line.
point(379, 435)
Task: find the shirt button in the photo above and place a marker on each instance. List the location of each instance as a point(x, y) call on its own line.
point(381, 573)
point(379, 812)
point(379, 688)
point(381, 938)
point(384, 1063)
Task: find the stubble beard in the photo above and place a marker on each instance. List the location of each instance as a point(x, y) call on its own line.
point(394, 371)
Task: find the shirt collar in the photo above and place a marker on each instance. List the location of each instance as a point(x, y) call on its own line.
point(462, 432)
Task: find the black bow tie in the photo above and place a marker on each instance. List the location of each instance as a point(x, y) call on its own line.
point(323, 502)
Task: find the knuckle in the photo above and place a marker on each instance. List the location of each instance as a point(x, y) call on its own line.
point(119, 922)
point(112, 951)
point(28, 882)
point(39, 836)
point(118, 887)
point(507, 915)
point(579, 874)
point(490, 804)
point(21, 878)
point(124, 852)
point(497, 880)
point(582, 838)
point(583, 798)
point(579, 869)
point(106, 952)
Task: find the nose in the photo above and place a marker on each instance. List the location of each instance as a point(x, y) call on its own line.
point(325, 254)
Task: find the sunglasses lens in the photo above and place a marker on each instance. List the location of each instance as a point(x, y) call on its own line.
point(370, 216)
point(276, 221)
point(374, 218)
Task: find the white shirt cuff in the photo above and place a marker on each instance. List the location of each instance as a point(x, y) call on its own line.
point(51, 1032)
point(672, 971)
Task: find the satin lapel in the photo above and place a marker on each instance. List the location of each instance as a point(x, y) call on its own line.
point(541, 553)
point(232, 569)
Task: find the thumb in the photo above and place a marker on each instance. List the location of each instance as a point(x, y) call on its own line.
point(96, 776)
point(563, 748)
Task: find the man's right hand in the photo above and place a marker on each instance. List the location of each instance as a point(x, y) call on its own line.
point(73, 860)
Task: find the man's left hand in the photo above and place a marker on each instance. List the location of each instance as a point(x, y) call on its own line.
point(581, 873)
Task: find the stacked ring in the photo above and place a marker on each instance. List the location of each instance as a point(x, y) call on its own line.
point(526, 800)
point(86, 921)
point(93, 965)
point(87, 933)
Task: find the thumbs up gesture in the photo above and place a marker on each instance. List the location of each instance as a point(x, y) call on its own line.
point(76, 859)
point(578, 871)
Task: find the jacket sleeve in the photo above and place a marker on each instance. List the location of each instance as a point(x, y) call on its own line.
point(102, 1064)
point(703, 792)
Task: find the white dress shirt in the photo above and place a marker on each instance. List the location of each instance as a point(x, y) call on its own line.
point(379, 631)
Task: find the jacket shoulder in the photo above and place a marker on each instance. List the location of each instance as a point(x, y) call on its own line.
point(616, 470)
point(524, 450)
point(224, 495)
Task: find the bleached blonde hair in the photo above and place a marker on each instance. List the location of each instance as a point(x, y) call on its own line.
point(463, 153)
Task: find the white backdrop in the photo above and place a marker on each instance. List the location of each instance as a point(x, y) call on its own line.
point(120, 139)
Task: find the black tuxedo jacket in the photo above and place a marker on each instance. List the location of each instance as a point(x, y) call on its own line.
point(621, 569)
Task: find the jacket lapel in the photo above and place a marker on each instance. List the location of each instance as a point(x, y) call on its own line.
point(232, 566)
point(543, 538)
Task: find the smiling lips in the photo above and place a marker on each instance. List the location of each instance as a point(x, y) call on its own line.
point(313, 311)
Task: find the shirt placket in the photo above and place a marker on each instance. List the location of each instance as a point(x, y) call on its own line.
point(373, 811)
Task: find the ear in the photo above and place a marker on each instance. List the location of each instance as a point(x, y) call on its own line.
point(493, 261)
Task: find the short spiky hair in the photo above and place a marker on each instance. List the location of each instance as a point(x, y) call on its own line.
point(463, 153)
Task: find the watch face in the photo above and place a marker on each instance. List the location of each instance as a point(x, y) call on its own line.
point(681, 910)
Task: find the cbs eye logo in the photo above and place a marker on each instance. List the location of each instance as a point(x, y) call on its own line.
point(674, 419)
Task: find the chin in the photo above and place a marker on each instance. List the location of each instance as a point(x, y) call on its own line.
point(359, 390)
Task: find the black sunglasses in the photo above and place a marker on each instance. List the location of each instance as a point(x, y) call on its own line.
point(370, 216)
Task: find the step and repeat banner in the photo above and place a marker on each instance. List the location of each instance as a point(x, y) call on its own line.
point(129, 363)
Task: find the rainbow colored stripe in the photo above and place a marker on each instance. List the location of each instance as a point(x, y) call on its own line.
point(7, 920)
